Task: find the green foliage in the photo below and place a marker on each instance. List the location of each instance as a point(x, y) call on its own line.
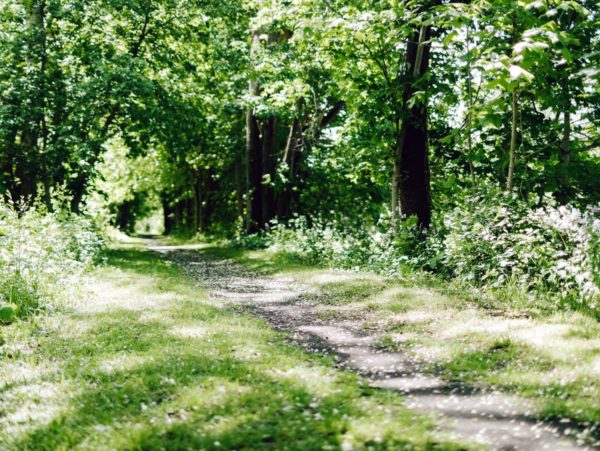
point(176, 373)
point(546, 249)
point(476, 364)
point(8, 313)
point(547, 253)
point(141, 106)
point(42, 256)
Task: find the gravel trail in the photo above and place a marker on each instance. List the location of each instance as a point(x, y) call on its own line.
point(491, 418)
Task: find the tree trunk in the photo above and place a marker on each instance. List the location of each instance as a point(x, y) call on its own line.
point(167, 216)
point(198, 226)
point(513, 141)
point(240, 184)
point(77, 188)
point(411, 179)
point(31, 164)
point(284, 197)
point(269, 150)
point(564, 190)
point(178, 215)
point(254, 156)
point(415, 195)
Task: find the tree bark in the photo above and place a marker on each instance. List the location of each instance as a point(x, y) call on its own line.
point(269, 166)
point(167, 216)
point(30, 164)
point(198, 226)
point(253, 156)
point(411, 194)
point(284, 197)
point(513, 141)
point(563, 192)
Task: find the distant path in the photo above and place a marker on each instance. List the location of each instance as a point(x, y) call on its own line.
point(489, 417)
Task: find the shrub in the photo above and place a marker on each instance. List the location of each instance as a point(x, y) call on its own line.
point(545, 250)
point(496, 243)
point(42, 256)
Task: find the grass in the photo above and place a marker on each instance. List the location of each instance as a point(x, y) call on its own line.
point(553, 359)
point(145, 361)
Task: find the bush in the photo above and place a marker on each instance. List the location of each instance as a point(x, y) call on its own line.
point(42, 256)
point(497, 243)
point(544, 250)
point(348, 246)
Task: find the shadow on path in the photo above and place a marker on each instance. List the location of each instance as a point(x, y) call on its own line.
point(487, 416)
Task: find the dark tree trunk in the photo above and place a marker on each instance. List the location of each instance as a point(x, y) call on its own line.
point(254, 170)
point(77, 189)
point(167, 216)
point(202, 196)
point(125, 220)
point(415, 196)
point(269, 151)
point(411, 165)
point(293, 144)
point(178, 207)
point(240, 184)
point(25, 165)
point(190, 215)
point(198, 202)
point(254, 157)
point(207, 202)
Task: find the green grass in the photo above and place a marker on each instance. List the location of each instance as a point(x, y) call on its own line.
point(553, 359)
point(145, 361)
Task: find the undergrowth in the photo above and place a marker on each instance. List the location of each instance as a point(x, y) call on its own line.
point(545, 257)
point(42, 256)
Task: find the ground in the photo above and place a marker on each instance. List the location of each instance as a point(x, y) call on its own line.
point(156, 358)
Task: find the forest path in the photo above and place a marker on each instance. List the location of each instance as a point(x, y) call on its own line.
point(481, 414)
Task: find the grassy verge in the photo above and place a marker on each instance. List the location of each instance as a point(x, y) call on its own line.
point(146, 362)
point(554, 359)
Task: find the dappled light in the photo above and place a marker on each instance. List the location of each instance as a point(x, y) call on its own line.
point(328, 225)
point(432, 351)
point(162, 368)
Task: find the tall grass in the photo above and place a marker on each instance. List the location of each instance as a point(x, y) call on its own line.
point(42, 257)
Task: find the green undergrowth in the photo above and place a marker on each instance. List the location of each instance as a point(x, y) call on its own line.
point(146, 362)
point(553, 359)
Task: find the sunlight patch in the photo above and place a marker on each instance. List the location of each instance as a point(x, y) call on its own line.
point(127, 297)
point(189, 332)
point(554, 340)
point(123, 362)
point(415, 317)
point(37, 405)
point(152, 316)
point(317, 380)
point(246, 353)
point(479, 325)
point(214, 392)
point(19, 372)
point(336, 277)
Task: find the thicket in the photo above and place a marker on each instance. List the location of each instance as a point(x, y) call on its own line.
point(43, 256)
point(543, 257)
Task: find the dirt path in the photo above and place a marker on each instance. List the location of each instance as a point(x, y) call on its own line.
point(485, 416)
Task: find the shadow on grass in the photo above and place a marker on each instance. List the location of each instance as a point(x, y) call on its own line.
point(267, 262)
point(181, 374)
point(564, 389)
point(513, 367)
